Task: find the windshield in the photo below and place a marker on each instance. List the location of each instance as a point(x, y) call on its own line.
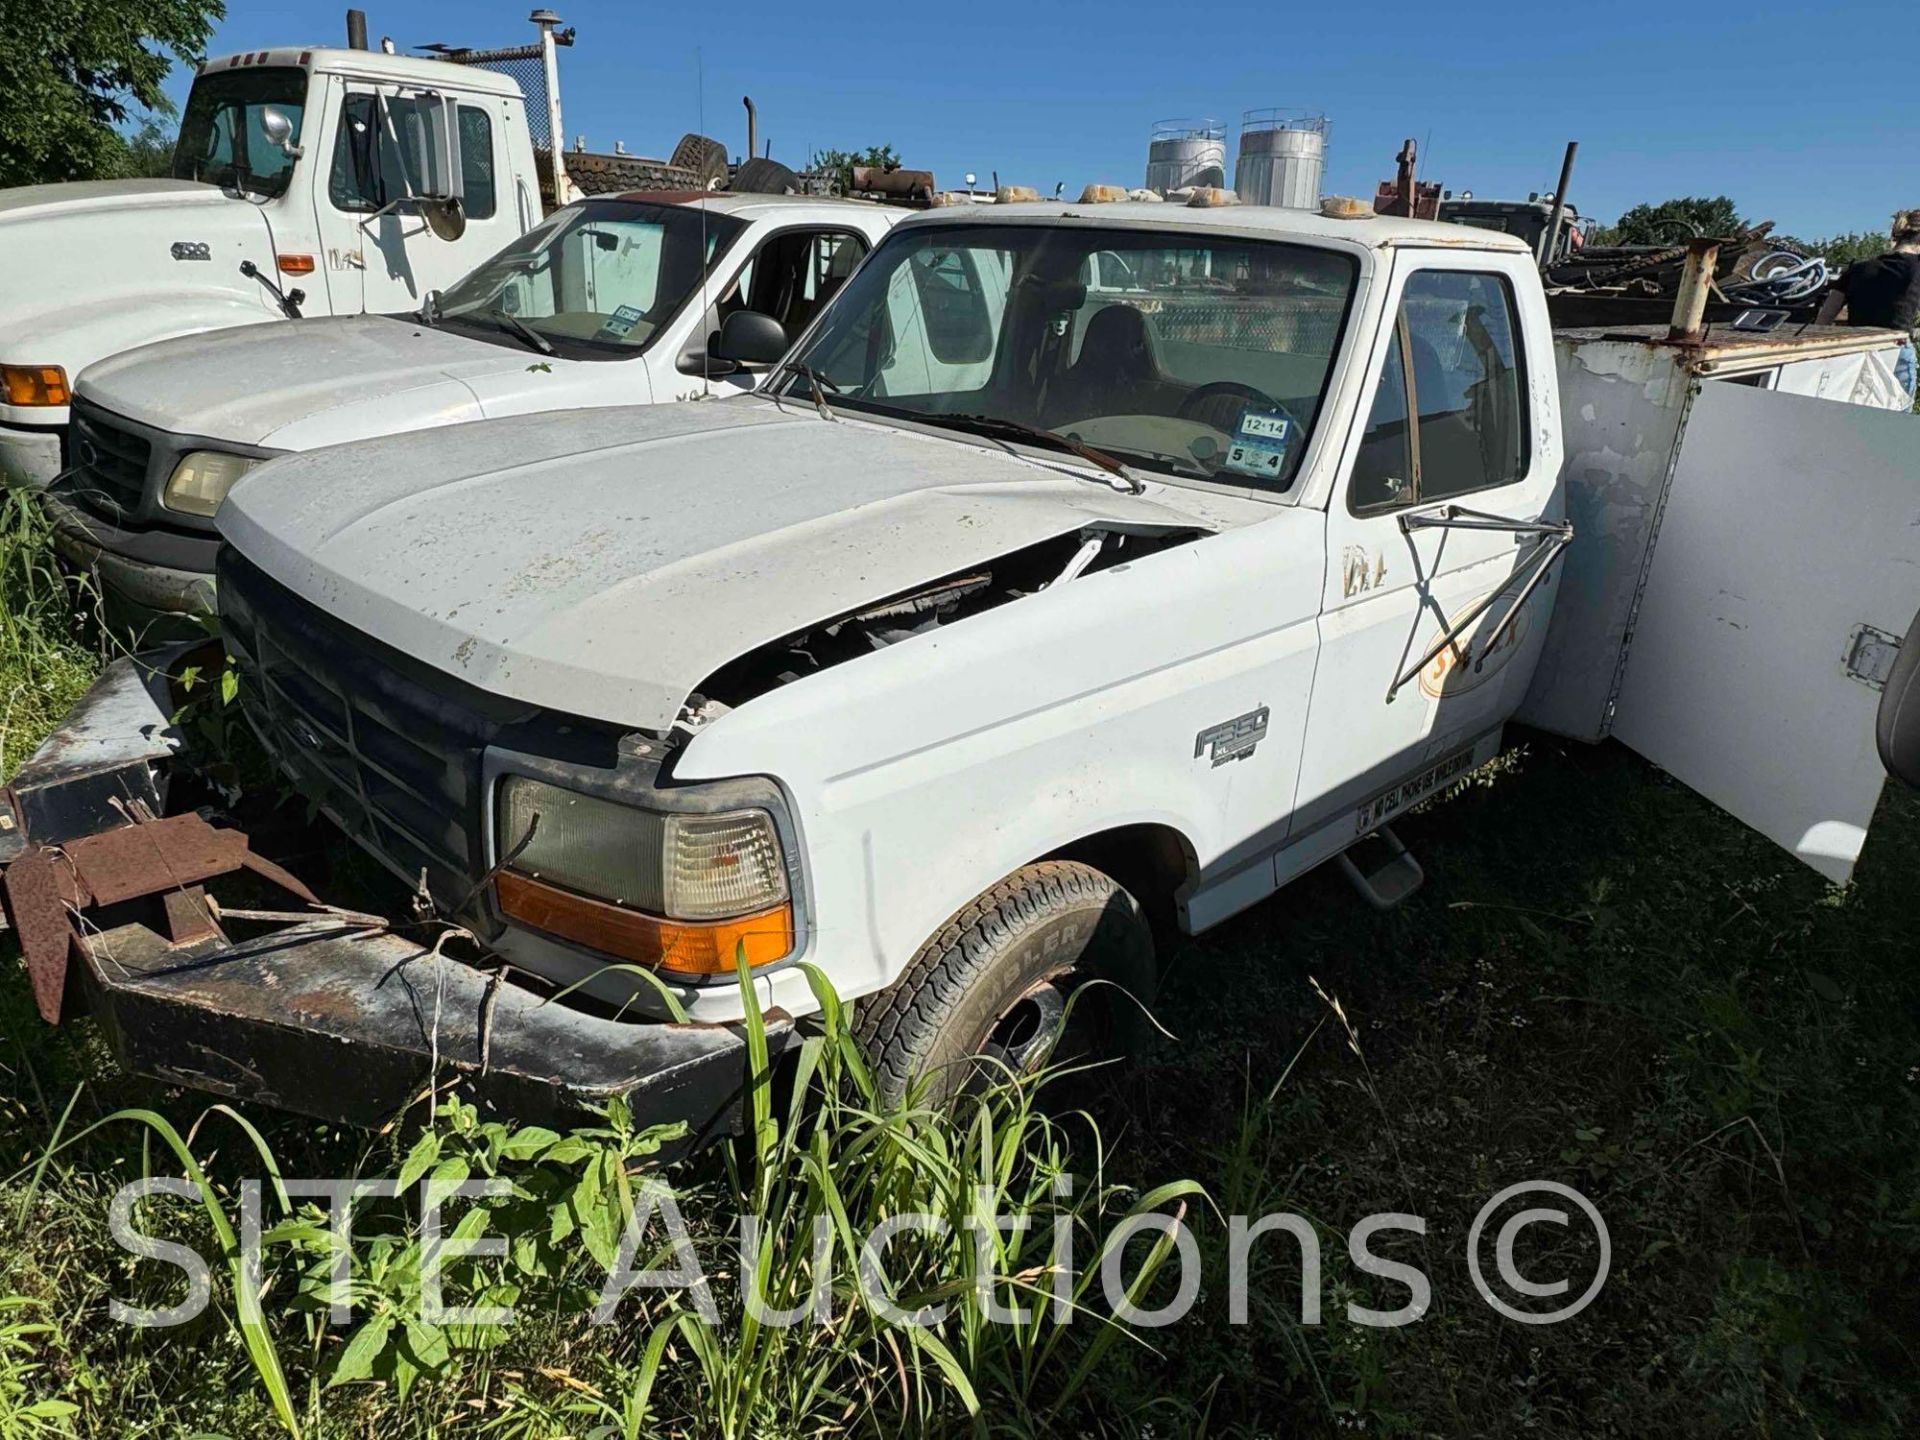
point(595, 281)
point(1197, 355)
point(221, 138)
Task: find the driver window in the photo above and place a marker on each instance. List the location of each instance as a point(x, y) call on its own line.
point(1456, 356)
point(356, 184)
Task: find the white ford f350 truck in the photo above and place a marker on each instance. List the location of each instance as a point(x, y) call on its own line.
point(306, 181)
point(1007, 613)
point(615, 300)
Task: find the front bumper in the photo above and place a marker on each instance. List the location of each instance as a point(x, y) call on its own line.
point(30, 458)
point(158, 592)
point(349, 1026)
point(326, 1014)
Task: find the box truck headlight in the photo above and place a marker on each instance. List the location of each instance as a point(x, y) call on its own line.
point(684, 892)
point(35, 384)
point(202, 479)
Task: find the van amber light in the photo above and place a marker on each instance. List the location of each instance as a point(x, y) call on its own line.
point(34, 384)
point(295, 264)
point(681, 946)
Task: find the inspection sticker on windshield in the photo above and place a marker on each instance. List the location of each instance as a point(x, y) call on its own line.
point(1260, 444)
point(622, 320)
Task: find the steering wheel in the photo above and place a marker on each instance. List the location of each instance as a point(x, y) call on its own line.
point(1200, 398)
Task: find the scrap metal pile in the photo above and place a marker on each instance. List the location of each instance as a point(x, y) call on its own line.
point(1752, 271)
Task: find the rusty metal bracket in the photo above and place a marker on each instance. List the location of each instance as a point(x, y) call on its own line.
point(189, 921)
point(46, 887)
point(37, 888)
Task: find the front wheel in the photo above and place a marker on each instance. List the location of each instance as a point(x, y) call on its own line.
point(990, 992)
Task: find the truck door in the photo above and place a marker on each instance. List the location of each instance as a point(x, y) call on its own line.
point(1452, 426)
point(378, 157)
point(1785, 571)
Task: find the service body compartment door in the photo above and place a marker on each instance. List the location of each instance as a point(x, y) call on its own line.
point(1792, 523)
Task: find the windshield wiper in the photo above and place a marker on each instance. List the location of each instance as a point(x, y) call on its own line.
point(1001, 426)
point(520, 327)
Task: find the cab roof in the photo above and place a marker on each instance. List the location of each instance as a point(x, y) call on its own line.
point(373, 64)
point(1374, 231)
point(726, 202)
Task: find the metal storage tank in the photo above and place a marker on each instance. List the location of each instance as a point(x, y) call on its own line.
point(1186, 152)
point(1283, 155)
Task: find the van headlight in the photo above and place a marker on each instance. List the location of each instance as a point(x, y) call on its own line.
point(202, 479)
point(684, 892)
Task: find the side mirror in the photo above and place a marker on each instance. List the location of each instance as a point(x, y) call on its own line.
point(750, 338)
point(278, 129)
point(442, 177)
point(1898, 729)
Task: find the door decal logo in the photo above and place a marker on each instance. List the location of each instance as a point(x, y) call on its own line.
point(1452, 672)
point(1360, 572)
point(192, 250)
point(1232, 739)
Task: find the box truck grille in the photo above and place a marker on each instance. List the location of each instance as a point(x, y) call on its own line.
point(388, 748)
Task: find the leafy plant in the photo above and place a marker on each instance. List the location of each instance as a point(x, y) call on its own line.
point(23, 1416)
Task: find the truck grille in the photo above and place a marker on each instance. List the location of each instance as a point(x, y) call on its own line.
point(389, 748)
point(110, 463)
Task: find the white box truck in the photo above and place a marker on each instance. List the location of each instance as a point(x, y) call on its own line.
point(306, 181)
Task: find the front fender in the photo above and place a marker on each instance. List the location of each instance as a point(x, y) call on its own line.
point(922, 773)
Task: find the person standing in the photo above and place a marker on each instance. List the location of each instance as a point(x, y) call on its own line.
point(1884, 292)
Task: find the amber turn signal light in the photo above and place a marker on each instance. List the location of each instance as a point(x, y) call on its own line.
point(35, 384)
point(295, 264)
point(684, 947)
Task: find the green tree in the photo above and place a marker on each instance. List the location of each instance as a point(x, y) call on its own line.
point(1675, 221)
point(841, 162)
point(71, 71)
point(1841, 251)
point(148, 151)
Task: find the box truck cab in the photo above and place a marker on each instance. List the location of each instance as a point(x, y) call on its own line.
point(306, 181)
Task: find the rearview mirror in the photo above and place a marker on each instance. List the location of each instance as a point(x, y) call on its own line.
point(750, 338)
point(1898, 730)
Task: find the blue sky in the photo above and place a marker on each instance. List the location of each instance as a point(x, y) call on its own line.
point(1808, 117)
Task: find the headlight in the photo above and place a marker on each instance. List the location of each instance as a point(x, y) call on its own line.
point(685, 892)
point(35, 384)
point(202, 479)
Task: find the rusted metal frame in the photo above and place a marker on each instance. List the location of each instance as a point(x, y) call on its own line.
point(47, 886)
point(1696, 288)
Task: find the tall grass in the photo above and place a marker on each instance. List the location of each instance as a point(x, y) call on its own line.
point(45, 663)
point(823, 1163)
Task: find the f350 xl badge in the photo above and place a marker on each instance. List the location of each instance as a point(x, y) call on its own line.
point(1232, 739)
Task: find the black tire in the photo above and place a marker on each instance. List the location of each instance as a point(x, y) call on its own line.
point(704, 156)
point(1055, 920)
point(761, 176)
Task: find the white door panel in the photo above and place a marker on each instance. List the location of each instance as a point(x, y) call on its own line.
point(1392, 592)
point(1791, 523)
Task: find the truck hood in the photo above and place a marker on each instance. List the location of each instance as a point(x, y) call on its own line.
point(103, 271)
point(606, 562)
point(316, 382)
